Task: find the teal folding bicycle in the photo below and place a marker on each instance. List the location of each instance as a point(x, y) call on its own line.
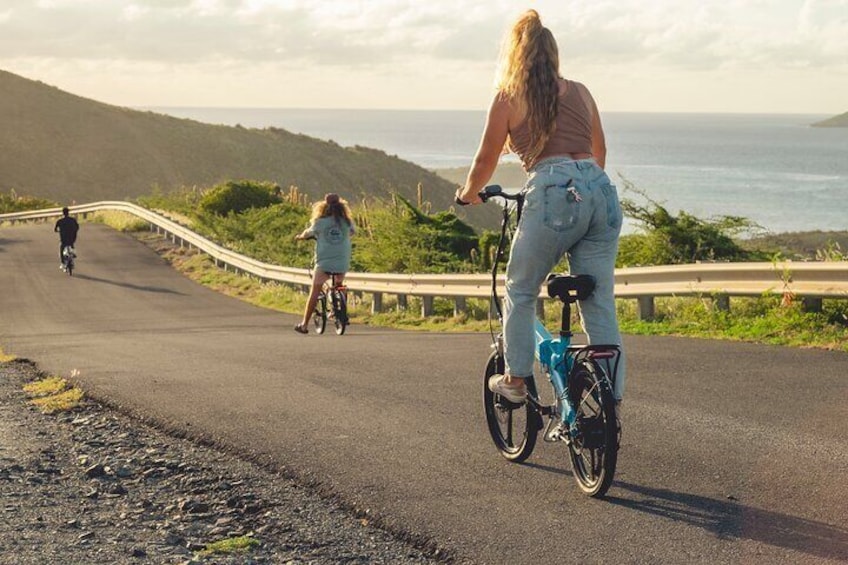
point(582, 414)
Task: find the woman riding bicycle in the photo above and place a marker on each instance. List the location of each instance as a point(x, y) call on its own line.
point(571, 207)
point(331, 226)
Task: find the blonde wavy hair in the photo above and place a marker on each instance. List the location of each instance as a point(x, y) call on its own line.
point(528, 73)
point(334, 206)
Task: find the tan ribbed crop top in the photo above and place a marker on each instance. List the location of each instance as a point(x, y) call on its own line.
point(573, 132)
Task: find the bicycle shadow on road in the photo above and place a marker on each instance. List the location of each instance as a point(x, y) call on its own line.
point(732, 520)
point(128, 285)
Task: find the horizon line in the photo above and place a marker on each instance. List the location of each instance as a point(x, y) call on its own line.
point(483, 110)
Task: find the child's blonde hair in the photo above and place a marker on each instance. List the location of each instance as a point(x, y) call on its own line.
point(334, 206)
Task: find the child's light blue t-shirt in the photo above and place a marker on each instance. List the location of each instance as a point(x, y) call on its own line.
point(333, 248)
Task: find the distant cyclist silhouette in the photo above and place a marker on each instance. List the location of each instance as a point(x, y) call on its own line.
point(67, 228)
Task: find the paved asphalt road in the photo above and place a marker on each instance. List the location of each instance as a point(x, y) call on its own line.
point(732, 453)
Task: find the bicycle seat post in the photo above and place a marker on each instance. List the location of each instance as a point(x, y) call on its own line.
point(565, 326)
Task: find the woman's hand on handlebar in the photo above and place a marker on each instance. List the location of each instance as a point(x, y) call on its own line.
point(465, 197)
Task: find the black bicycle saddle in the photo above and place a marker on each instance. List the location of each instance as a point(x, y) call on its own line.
point(571, 288)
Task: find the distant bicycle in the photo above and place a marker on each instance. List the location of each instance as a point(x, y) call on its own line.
point(335, 310)
point(68, 258)
point(582, 414)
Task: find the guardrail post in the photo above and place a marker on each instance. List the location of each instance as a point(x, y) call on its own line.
point(426, 306)
point(459, 306)
point(812, 304)
point(722, 302)
point(646, 307)
point(376, 302)
point(402, 303)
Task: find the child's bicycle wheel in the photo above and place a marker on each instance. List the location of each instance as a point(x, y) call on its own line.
point(513, 426)
point(319, 317)
point(340, 311)
point(594, 451)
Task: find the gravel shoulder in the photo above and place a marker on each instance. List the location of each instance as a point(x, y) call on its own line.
point(97, 486)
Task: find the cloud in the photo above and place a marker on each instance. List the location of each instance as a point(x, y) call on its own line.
point(411, 53)
point(693, 34)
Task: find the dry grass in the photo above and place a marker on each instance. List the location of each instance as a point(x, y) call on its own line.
point(53, 394)
point(5, 357)
point(121, 221)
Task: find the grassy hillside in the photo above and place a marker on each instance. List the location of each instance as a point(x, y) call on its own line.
point(66, 148)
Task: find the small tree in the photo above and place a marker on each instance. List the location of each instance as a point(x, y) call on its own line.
point(684, 238)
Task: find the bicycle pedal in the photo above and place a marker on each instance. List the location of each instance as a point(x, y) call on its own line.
point(558, 432)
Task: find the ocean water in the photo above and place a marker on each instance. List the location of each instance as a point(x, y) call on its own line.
point(772, 169)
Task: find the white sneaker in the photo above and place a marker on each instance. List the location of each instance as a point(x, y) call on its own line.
point(516, 394)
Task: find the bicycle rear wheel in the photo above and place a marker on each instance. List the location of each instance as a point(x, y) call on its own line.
point(594, 451)
point(319, 317)
point(340, 311)
point(68, 260)
point(513, 427)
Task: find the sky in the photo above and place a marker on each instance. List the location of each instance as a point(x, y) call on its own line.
point(764, 56)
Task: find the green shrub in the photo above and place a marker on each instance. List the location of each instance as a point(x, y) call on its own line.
point(398, 237)
point(667, 239)
point(11, 202)
point(238, 196)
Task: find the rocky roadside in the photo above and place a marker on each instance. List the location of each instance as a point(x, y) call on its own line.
point(95, 486)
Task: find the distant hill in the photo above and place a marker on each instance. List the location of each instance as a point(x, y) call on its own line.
point(508, 175)
point(66, 148)
point(840, 121)
point(800, 245)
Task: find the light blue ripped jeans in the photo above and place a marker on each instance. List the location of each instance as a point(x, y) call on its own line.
point(571, 207)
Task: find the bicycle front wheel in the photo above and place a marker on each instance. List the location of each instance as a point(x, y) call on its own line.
point(594, 450)
point(319, 317)
point(340, 311)
point(513, 426)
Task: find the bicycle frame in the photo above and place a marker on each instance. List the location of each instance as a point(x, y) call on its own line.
point(554, 357)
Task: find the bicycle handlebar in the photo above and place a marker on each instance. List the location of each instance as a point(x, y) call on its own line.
point(492, 191)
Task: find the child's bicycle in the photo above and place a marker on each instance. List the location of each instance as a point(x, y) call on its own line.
point(582, 414)
point(337, 294)
point(68, 256)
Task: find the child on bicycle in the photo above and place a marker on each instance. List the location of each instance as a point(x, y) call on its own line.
point(571, 207)
point(331, 226)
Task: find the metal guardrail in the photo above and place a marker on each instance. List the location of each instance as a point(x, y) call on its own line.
point(811, 281)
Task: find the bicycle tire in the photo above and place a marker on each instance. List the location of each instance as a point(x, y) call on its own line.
point(69, 267)
point(508, 421)
point(594, 451)
point(340, 312)
point(319, 317)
